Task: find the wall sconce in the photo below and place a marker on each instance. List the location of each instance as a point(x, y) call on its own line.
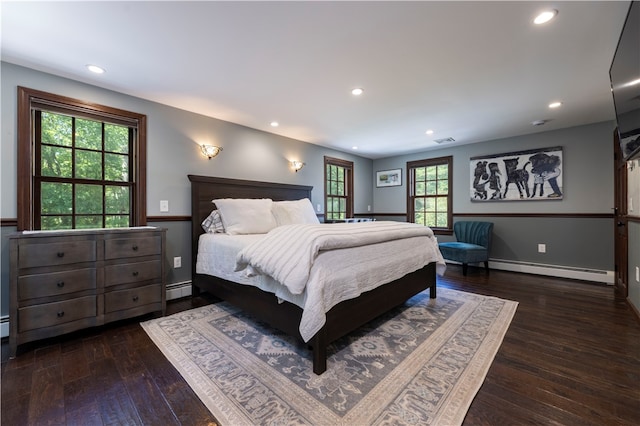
point(297, 165)
point(210, 151)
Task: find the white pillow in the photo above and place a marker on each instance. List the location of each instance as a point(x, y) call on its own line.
point(213, 223)
point(246, 215)
point(294, 212)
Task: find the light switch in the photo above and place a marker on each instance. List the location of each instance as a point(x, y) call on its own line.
point(164, 205)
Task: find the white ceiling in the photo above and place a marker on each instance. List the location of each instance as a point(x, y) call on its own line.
point(474, 71)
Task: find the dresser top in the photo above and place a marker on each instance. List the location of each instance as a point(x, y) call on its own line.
point(93, 231)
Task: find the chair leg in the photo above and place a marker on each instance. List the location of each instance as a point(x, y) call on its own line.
point(486, 266)
point(464, 269)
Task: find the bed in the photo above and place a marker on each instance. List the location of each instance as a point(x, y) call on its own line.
point(340, 320)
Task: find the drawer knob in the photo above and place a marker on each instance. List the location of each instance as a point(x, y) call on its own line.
point(60, 314)
point(60, 254)
point(135, 298)
point(135, 248)
point(135, 273)
point(60, 284)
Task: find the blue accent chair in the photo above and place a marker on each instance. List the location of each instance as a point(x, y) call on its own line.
point(472, 245)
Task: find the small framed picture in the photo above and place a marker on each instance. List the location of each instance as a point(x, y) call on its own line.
point(389, 178)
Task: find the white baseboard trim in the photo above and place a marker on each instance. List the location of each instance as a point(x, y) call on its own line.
point(174, 291)
point(585, 274)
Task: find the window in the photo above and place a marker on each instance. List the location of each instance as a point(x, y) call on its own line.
point(338, 189)
point(430, 198)
point(80, 165)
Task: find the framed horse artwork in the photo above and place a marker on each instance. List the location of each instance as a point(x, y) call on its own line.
point(529, 175)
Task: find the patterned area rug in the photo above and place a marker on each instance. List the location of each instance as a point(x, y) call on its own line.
point(421, 363)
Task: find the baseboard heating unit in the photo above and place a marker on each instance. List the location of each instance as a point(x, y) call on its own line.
point(586, 274)
point(178, 290)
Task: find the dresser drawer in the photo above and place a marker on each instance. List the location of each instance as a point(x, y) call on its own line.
point(125, 273)
point(134, 246)
point(132, 298)
point(36, 255)
point(51, 314)
point(57, 283)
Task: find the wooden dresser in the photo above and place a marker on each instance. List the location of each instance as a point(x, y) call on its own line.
point(62, 281)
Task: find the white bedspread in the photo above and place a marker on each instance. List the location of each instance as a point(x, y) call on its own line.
point(335, 275)
point(288, 252)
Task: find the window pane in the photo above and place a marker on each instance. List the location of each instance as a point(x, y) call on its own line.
point(116, 167)
point(56, 129)
point(441, 204)
point(55, 222)
point(335, 207)
point(430, 219)
point(340, 171)
point(430, 204)
point(420, 189)
point(443, 187)
point(340, 188)
point(432, 172)
point(419, 204)
point(88, 165)
point(55, 161)
point(441, 221)
point(89, 199)
point(431, 188)
point(117, 199)
point(443, 171)
point(87, 222)
point(116, 138)
point(421, 173)
point(333, 188)
point(117, 221)
point(55, 198)
point(88, 134)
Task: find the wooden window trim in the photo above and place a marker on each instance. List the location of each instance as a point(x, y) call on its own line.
point(30, 98)
point(410, 187)
point(348, 165)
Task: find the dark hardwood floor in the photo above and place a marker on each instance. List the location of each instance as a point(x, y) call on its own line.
point(571, 357)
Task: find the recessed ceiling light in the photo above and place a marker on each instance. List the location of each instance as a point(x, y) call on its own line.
point(355, 148)
point(545, 16)
point(357, 91)
point(274, 124)
point(96, 69)
point(555, 104)
point(429, 132)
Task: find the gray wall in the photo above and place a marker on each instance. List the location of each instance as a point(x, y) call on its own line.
point(587, 186)
point(173, 153)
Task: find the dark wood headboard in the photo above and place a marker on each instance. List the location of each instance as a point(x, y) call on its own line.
point(204, 189)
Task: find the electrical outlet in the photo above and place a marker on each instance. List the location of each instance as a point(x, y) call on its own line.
point(318, 208)
point(164, 205)
point(368, 208)
point(177, 262)
point(542, 248)
point(638, 274)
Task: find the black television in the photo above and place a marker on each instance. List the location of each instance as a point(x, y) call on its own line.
point(625, 84)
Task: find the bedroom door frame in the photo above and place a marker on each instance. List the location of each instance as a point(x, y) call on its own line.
point(621, 249)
